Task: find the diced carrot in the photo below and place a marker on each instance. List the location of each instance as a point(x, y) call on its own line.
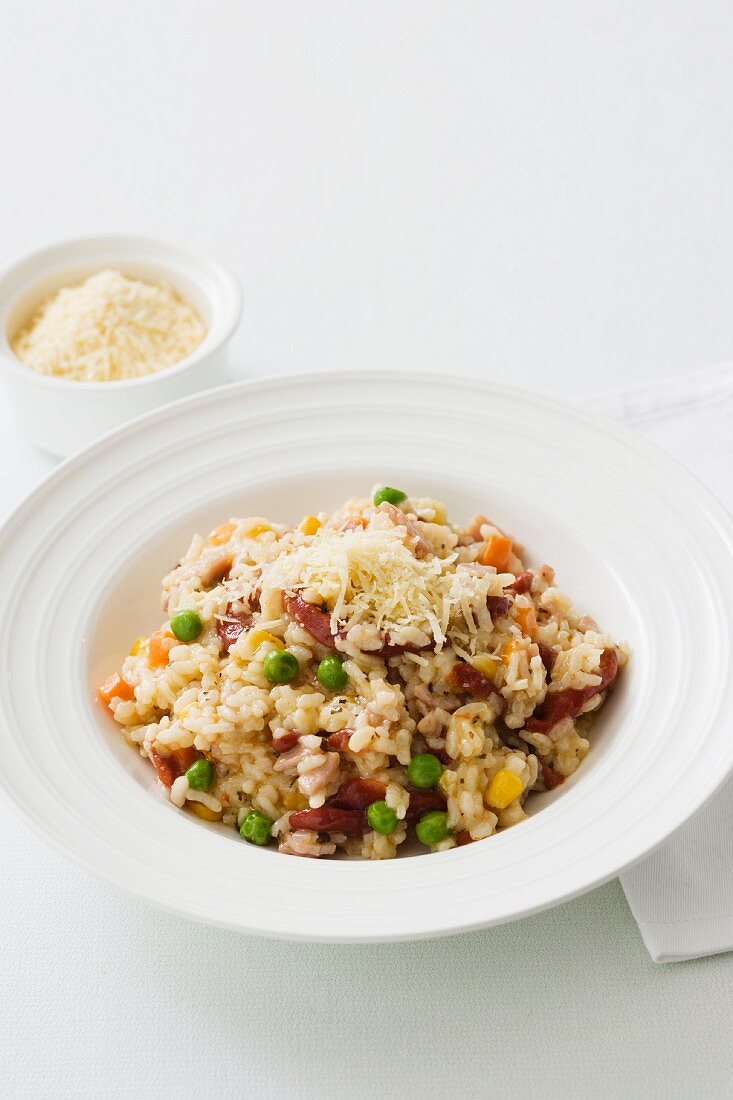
point(161, 642)
point(222, 534)
point(184, 758)
point(526, 620)
point(114, 687)
point(512, 646)
point(497, 551)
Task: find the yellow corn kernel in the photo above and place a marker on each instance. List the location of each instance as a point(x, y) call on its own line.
point(222, 534)
point(138, 645)
point(503, 789)
point(259, 637)
point(294, 800)
point(258, 529)
point(309, 525)
point(448, 783)
point(204, 812)
point(489, 666)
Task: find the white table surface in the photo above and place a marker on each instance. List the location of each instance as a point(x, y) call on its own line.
point(532, 192)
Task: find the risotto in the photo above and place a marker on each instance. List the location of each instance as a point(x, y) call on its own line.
point(362, 678)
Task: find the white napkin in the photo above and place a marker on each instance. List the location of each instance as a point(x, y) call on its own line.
point(682, 896)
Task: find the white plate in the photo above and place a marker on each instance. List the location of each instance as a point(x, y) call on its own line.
point(634, 538)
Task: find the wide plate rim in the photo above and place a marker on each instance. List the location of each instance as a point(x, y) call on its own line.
point(705, 500)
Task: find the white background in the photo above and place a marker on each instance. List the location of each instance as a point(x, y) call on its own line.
point(537, 192)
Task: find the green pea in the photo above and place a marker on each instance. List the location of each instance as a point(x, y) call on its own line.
point(200, 775)
point(432, 828)
point(424, 770)
point(280, 666)
point(256, 828)
point(391, 496)
point(186, 625)
point(381, 818)
point(331, 673)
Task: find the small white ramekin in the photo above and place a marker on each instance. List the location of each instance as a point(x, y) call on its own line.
point(60, 415)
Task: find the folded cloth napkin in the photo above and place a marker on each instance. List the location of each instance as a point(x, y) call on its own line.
point(682, 895)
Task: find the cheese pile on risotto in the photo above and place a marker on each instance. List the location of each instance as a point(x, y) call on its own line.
point(362, 677)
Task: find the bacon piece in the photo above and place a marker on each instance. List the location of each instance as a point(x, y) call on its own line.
point(548, 655)
point(318, 623)
point(498, 606)
point(216, 567)
point(358, 793)
point(569, 703)
point(288, 761)
point(165, 766)
point(339, 740)
point(323, 778)
point(464, 677)
point(330, 819)
point(522, 582)
point(303, 842)
point(463, 837)
point(285, 743)
point(392, 649)
point(356, 522)
point(229, 626)
point(474, 528)
point(313, 619)
point(551, 778)
point(421, 802)
point(413, 540)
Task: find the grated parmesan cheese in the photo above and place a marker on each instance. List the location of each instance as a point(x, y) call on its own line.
point(370, 577)
point(107, 328)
